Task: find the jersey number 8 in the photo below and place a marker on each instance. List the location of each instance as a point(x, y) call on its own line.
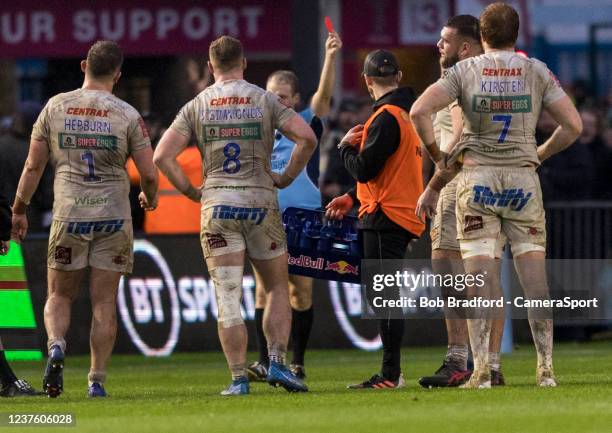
point(231, 164)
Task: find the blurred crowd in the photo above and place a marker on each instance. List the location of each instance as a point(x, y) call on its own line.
point(582, 172)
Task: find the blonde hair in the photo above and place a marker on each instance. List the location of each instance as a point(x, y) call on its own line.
point(225, 53)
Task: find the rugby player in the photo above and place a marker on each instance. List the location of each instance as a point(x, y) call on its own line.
point(89, 133)
point(501, 94)
point(234, 123)
point(302, 193)
point(459, 40)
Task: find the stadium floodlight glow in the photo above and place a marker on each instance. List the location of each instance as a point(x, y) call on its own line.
point(356, 339)
point(145, 247)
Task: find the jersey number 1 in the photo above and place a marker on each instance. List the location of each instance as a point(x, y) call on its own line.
point(91, 175)
point(506, 119)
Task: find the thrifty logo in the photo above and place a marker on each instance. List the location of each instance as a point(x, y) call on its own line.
point(256, 214)
point(514, 198)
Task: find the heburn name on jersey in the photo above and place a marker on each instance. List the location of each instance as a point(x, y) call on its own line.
point(512, 198)
point(87, 125)
point(87, 227)
point(224, 212)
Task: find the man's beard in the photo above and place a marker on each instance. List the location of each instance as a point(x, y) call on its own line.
point(449, 61)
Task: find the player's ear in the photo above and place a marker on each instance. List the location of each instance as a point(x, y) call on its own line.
point(367, 80)
point(210, 67)
point(83, 66)
point(244, 64)
point(400, 75)
point(116, 77)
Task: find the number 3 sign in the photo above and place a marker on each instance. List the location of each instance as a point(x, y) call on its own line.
point(422, 20)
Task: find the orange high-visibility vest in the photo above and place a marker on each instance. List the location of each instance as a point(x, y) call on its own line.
point(399, 184)
point(175, 213)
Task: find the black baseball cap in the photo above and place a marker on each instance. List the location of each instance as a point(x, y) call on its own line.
point(380, 63)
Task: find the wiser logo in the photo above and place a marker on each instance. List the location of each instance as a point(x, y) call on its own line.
point(91, 201)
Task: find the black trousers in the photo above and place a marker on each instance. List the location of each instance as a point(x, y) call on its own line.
point(388, 243)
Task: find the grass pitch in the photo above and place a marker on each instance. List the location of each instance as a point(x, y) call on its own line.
point(181, 394)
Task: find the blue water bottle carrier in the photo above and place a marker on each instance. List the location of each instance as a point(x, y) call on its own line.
point(322, 248)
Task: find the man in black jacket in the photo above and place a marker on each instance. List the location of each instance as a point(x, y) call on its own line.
point(384, 157)
point(10, 386)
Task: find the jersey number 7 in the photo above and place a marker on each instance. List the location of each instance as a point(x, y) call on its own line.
point(506, 118)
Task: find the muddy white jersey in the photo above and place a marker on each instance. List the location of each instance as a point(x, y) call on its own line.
point(234, 123)
point(90, 134)
point(443, 127)
point(501, 94)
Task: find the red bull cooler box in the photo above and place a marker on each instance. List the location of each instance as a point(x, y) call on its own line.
point(322, 248)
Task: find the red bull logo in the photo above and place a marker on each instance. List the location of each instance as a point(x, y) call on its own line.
point(306, 262)
point(342, 267)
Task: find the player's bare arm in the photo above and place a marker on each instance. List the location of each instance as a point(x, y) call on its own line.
point(170, 146)
point(298, 131)
point(321, 100)
point(429, 199)
point(143, 159)
point(565, 114)
point(30, 177)
point(433, 99)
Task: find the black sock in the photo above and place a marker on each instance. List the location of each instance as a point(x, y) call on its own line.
point(391, 332)
point(6, 373)
point(301, 324)
point(262, 343)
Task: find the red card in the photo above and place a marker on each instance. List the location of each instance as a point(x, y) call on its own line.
point(329, 25)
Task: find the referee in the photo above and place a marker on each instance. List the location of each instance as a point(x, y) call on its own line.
point(384, 157)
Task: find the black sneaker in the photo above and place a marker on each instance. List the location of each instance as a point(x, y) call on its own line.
point(298, 370)
point(448, 375)
point(53, 382)
point(19, 388)
point(497, 378)
point(379, 382)
point(257, 372)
